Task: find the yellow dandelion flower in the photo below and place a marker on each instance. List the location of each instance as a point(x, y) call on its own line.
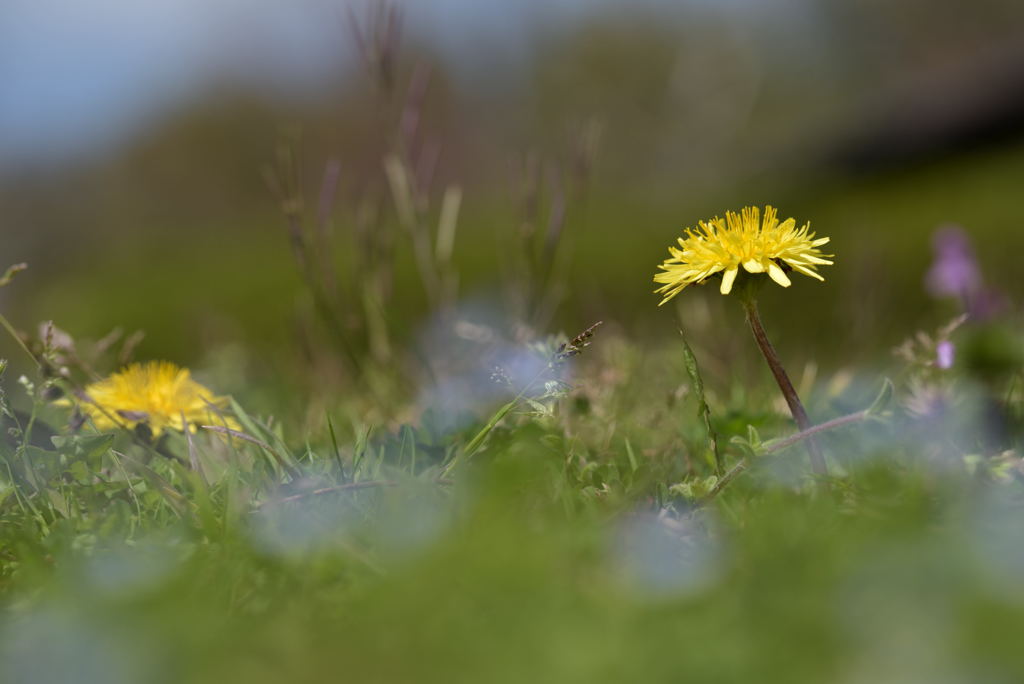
point(158, 394)
point(743, 239)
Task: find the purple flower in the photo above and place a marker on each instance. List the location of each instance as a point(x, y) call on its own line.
point(944, 353)
point(955, 272)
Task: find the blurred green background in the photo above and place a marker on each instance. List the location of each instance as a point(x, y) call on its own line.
point(132, 184)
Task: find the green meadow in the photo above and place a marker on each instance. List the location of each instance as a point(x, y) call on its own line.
point(429, 429)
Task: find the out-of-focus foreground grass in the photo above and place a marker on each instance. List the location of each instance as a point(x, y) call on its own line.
point(908, 582)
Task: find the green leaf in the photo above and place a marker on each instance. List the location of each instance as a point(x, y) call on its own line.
point(693, 370)
point(683, 489)
point(80, 472)
point(539, 408)
point(703, 410)
point(83, 446)
point(59, 503)
point(6, 489)
point(477, 441)
point(750, 449)
point(633, 465)
point(334, 445)
point(694, 490)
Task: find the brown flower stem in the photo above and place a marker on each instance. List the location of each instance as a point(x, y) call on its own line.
point(788, 391)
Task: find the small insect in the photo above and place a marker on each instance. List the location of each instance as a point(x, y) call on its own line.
point(576, 344)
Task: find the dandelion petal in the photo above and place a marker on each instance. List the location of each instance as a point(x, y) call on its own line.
point(727, 280)
point(777, 274)
point(753, 266)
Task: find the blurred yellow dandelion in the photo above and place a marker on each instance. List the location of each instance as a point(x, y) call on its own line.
point(157, 394)
point(743, 239)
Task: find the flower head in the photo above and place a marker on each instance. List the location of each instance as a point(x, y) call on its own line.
point(945, 353)
point(743, 239)
point(158, 394)
point(955, 271)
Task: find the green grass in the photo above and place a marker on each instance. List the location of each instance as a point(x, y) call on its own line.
point(575, 542)
point(588, 532)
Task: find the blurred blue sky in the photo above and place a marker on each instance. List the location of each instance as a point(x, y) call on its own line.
point(81, 76)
